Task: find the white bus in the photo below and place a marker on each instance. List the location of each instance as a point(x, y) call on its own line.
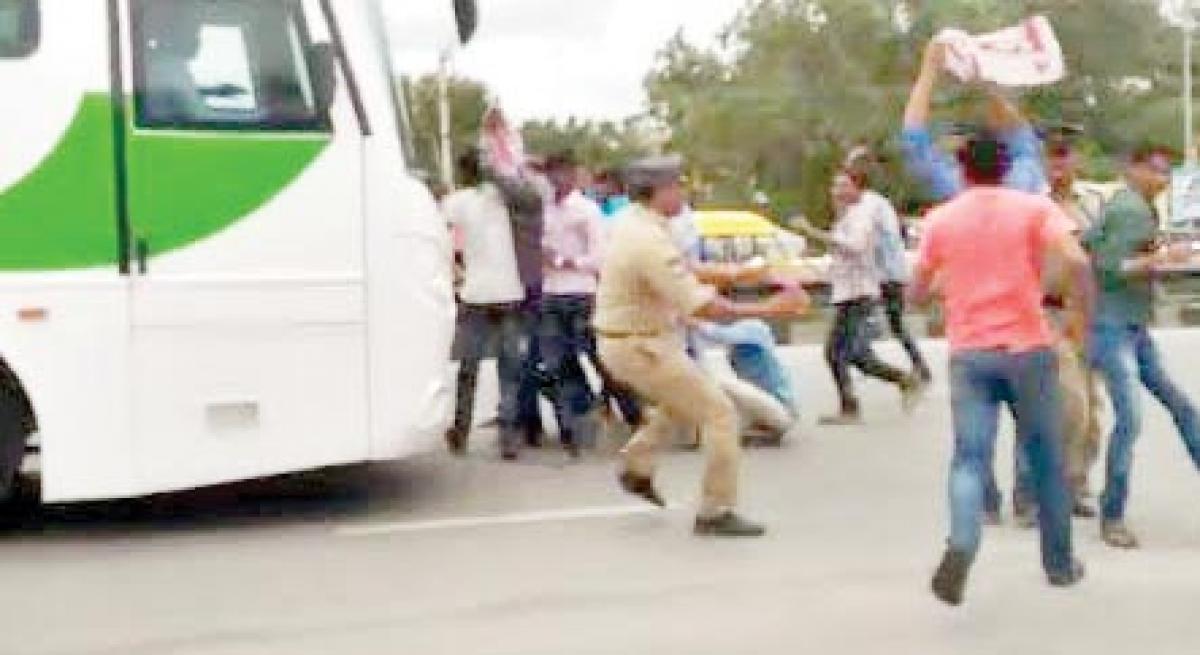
point(214, 263)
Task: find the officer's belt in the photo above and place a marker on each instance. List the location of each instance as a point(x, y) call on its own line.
point(619, 334)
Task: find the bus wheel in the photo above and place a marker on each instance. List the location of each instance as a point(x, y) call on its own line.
point(12, 446)
point(17, 422)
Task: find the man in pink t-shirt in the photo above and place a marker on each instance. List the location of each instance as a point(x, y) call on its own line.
point(983, 253)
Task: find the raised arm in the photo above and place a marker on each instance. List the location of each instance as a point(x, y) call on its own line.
point(1028, 172)
point(522, 195)
point(1002, 115)
point(920, 100)
point(931, 167)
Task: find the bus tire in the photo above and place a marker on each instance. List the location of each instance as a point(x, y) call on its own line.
point(17, 422)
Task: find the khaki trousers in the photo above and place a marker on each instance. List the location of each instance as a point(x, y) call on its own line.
point(660, 370)
point(1081, 415)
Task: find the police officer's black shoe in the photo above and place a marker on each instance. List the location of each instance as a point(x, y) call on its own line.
point(727, 524)
point(951, 577)
point(641, 487)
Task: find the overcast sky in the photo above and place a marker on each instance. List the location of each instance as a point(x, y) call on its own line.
point(557, 58)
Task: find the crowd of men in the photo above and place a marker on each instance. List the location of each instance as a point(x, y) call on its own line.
point(1043, 285)
point(1047, 290)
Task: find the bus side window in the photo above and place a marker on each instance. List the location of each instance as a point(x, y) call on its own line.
point(20, 28)
point(224, 64)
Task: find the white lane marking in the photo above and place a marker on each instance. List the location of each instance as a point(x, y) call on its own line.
point(525, 518)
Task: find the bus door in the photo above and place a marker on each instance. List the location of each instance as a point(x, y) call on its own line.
point(63, 313)
point(244, 177)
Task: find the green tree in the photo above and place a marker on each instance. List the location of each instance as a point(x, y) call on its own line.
point(597, 145)
point(468, 100)
point(796, 83)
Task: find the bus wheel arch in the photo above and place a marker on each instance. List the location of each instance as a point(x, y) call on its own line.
point(18, 420)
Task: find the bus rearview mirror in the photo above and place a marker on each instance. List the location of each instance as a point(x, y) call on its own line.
point(466, 14)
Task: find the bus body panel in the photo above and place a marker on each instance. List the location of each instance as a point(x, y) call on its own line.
point(63, 304)
point(295, 311)
point(261, 322)
point(410, 299)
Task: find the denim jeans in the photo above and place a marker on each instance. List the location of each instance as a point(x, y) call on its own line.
point(1024, 495)
point(478, 326)
point(611, 389)
point(754, 356)
point(1081, 432)
point(1118, 351)
point(563, 337)
point(1028, 383)
point(849, 344)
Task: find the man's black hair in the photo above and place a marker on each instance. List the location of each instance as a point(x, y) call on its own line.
point(985, 159)
point(613, 176)
point(470, 168)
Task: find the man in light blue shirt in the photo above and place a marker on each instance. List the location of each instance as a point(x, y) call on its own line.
point(937, 169)
point(752, 347)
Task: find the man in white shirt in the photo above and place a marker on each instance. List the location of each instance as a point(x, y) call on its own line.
point(891, 260)
point(854, 278)
point(492, 293)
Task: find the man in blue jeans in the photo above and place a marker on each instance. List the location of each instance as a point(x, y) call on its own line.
point(984, 252)
point(1127, 256)
point(938, 170)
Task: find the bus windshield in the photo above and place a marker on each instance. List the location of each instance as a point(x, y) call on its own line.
point(399, 102)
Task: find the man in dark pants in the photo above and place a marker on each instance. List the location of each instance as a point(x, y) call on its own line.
point(573, 245)
point(612, 391)
point(854, 278)
point(892, 263)
point(480, 326)
point(492, 295)
point(984, 252)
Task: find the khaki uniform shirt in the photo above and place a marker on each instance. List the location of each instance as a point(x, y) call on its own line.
point(645, 285)
point(1082, 205)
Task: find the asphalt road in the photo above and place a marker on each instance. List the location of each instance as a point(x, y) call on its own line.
point(542, 557)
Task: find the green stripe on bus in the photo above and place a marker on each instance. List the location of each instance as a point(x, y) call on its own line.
point(184, 187)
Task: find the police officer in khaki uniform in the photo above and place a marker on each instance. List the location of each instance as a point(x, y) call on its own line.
point(646, 294)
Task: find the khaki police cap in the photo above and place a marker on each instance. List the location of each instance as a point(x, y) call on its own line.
point(652, 172)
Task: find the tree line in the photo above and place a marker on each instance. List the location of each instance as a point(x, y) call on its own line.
point(791, 85)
